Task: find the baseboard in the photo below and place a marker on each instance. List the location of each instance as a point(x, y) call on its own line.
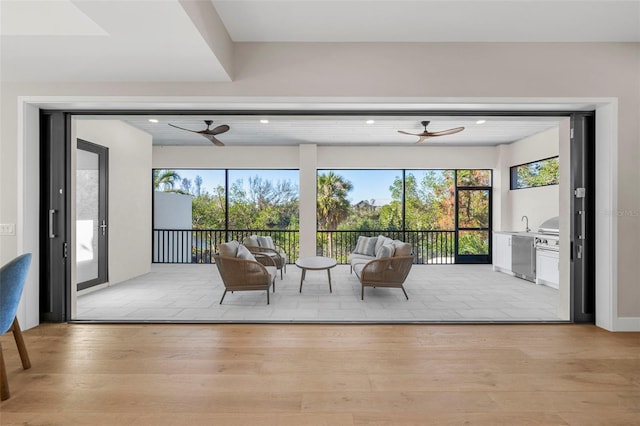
point(627, 324)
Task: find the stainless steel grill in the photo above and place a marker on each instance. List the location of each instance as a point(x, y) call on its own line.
point(548, 238)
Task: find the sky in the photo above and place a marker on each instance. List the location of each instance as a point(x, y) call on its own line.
point(367, 184)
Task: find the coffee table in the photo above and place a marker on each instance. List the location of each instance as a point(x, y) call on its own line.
point(315, 263)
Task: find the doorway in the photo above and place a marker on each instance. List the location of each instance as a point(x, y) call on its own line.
point(474, 228)
point(92, 236)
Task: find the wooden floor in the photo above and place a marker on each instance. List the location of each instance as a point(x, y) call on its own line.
point(121, 375)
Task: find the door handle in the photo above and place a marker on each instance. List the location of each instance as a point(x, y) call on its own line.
point(52, 213)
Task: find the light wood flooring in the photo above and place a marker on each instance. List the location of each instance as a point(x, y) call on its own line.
point(286, 374)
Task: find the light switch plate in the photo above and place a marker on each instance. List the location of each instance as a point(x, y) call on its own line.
point(7, 229)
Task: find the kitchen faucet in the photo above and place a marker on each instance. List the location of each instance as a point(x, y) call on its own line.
point(527, 229)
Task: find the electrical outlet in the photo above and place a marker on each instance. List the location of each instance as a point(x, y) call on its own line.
point(7, 229)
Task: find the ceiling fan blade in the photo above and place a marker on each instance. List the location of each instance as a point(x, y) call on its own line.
point(220, 129)
point(182, 128)
point(412, 134)
point(422, 138)
point(212, 139)
point(446, 132)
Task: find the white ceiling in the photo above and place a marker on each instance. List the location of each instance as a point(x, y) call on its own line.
point(192, 41)
point(430, 20)
point(171, 40)
point(337, 130)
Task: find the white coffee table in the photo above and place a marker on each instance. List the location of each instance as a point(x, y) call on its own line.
point(315, 263)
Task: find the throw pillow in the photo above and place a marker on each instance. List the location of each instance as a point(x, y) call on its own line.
point(251, 240)
point(266, 242)
point(385, 251)
point(382, 240)
point(402, 248)
point(366, 246)
point(229, 249)
point(244, 253)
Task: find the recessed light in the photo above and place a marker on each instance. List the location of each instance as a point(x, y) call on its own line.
point(263, 121)
point(481, 121)
point(153, 120)
point(371, 121)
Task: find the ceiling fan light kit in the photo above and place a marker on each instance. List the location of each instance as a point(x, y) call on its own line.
point(427, 134)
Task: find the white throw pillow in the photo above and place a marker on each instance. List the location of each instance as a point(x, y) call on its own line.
point(244, 253)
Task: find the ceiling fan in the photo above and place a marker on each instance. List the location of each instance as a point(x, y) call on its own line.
point(208, 133)
point(427, 134)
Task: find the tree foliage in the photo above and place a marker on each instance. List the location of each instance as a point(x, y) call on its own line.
point(539, 173)
point(333, 205)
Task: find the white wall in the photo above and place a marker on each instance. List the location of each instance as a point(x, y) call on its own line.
point(538, 204)
point(129, 194)
point(172, 210)
point(294, 73)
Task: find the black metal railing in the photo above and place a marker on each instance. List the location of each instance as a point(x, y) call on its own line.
point(429, 247)
point(198, 245)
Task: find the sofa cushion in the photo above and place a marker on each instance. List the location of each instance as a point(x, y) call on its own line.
point(229, 249)
point(366, 246)
point(402, 248)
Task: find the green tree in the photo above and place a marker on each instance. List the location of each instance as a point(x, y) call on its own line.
point(165, 180)
point(333, 206)
point(539, 173)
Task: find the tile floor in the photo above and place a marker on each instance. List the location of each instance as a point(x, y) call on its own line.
point(437, 293)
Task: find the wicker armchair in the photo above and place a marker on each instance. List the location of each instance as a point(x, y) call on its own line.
point(243, 274)
point(384, 272)
point(266, 246)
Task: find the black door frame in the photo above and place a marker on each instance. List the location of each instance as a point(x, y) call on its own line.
point(55, 143)
point(55, 211)
point(103, 214)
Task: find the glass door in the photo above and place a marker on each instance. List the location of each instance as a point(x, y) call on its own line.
point(91, 214)
point(473, 216)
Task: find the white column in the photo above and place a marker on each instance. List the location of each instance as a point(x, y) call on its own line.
point(308, 170)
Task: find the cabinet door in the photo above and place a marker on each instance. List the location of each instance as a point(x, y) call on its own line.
point(502, 252)
point(547, 268)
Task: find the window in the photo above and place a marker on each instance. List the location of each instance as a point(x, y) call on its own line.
point(537, 173)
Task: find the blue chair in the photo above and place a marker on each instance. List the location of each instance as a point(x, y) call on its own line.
point(12, 278)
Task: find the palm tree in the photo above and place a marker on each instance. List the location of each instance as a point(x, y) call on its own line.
point(333, 206)
point(165, 180)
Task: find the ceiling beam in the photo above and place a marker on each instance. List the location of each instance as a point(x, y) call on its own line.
point(208, 23)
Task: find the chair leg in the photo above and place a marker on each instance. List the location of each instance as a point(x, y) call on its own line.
point(22, 348)
point(223, 295)
point(405, 293)
point(267, 296)
point(281, 269)
point(362, 297)
point(4, 382)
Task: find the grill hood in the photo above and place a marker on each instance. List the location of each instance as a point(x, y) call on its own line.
point(550, 226)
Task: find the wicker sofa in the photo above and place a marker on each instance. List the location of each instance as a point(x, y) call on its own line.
point(381, 262)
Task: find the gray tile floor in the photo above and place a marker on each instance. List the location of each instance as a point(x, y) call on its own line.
point(450, 293)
